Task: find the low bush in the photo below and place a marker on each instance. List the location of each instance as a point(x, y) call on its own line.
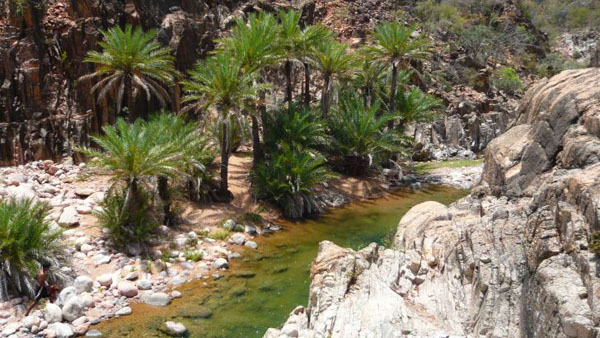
point(27, 240)
point(507, 79)
point(126, 225)
point(361, 136)
point(288, 178)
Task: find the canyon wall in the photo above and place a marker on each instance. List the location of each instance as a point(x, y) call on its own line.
point(513, 259)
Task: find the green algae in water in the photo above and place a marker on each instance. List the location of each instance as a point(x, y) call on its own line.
point(221, 309)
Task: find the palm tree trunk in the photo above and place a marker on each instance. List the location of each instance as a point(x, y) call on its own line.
point(288, 79)
point(325, 96)
point(257, 153)
point(306, 85)
point(393, 92)
point(130, 100)
point(132, 204)
point(165, 196)
point(224, 191)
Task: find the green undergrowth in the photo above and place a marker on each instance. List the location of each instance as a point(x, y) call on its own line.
point(425, 167)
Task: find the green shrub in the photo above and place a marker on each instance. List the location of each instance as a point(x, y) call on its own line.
point(126, 226)
point(26, 241)
point(507, 80)
point(220, 234)
point(193, 255)
point(595, 243)
point(288, 179)
point(361, 136)
point(298, 129)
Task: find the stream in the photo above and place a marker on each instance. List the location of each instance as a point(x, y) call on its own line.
point(263, 286)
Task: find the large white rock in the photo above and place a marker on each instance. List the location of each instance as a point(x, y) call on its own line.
point(66, 294)
point(62, 330)
point(69, 217)
point(73, 309)
point(23, 191)
point(53, 313)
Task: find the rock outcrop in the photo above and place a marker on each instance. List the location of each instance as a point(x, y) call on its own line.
point(510, 260)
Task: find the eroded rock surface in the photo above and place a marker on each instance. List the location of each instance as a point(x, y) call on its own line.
point(510, 260)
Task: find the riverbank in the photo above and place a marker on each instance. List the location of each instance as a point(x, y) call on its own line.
point(108, 281)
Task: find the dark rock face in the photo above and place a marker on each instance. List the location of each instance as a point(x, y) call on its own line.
point(44, 109)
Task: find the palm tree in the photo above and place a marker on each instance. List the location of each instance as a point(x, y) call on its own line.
point(333, 61)
point(308, 41)
point(132, 155)
point(168, 128)
point(131, 61)
point(369, 78)
point(255, 44)
point(220, 82)
point(289, 37)
point(27, 240)
point(396, 46)
point(416, 106)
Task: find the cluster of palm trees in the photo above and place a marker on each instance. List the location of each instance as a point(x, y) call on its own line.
point(365, 97)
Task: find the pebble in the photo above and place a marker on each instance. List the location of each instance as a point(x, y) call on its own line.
point(176, 328)
point(105, 280)
point(176, 294)
point(124, 311)
point(220, 263)
point(127, 289)
point(251, 244)
point(144, 284)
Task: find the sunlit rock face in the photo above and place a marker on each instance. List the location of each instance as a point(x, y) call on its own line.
point(510, 260)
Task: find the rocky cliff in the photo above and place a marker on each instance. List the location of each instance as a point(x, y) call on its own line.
point(512, 259)
point(44, 110)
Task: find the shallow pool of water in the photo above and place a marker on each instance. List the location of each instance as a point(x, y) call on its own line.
point(265, 285)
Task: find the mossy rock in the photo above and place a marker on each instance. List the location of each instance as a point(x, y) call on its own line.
point(244, 274)
point(280, 269)
point(238, 291)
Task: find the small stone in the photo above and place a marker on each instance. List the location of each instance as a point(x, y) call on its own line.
point(238, 239)
point(83, 209)
point(86, 248)
point(79, 321)
point(105, 280)
point(83, 284)
point(124, 311)
point(177, 329)
point(229, 224)
point(102, 259)
point(251, 244)
point(127, 289)
point(69, 217)
point(220, 263)
point(176, 294)
point(144, 284)
point(158, 299)
point(94, 334)
point(132, 276)
point(251, 230)
point(84, 192)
